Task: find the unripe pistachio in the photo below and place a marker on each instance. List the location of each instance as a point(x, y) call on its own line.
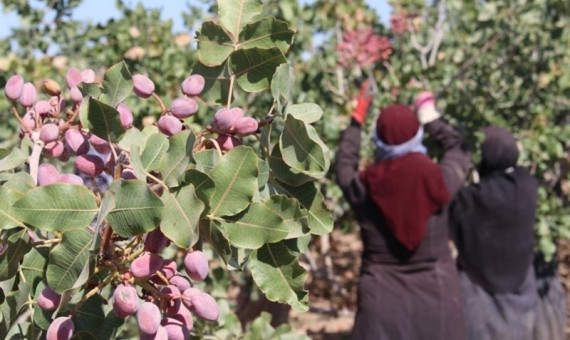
point(180, 282)
point(65, 155)
point(228, 142)
point(76, 95)
point(224, 119)
point(169, 125)
point(49, 132)
point(176, 329)
point(29, 95)
point(160, 334)
point(193, 85)
point(88, 76)
point(29, 120)
point(51, 87)
point(142, 86)
point(43, 107)
point(54, 149)
point(201, 304)
point(61, 328)
point(70, 179)
point(183, 107)
point(245, 126)
point(14, 87)
point(76, 141)
point(47, 174)
point(99, 144)
point(73, 77)
point(146, 265)
point(91, 165)
point(148, 318)
point(125, 300)
point(196, 265)
point(125, 115)
point(48, 299)
point(155, 241)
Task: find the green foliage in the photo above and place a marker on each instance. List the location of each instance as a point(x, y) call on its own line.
point(81, 241)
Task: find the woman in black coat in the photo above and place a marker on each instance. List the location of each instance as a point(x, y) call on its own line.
point(492, 224)
point(409, 287)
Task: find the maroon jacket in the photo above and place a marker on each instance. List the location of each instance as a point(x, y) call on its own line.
point(405, 294)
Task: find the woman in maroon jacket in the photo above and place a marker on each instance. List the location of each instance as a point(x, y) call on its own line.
point(409, 287)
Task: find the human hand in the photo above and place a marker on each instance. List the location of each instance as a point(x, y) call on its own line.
point(364, 100)
point(425, 106)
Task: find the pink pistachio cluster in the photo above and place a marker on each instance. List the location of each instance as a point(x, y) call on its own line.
point(363, 47)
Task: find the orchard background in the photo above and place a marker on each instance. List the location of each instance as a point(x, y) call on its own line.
point(491, 62)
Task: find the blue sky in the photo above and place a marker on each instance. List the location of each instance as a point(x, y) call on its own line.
point(92, 10)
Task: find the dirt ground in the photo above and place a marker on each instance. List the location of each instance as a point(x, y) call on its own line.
point(333, 288)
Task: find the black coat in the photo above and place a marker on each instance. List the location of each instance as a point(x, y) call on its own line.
point(405, 295)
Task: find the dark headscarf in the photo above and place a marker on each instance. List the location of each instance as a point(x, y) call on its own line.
point(492, 222)
point(499, 151)
point(408, 188)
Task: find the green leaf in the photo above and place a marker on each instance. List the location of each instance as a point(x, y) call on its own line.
point(279, 276)
point(177, 158)
point(211, 232)
point(204, 185)
point(263, 170)
point(101, 119)
point(133, 136)
point(310, 197)
point(260, 328)
point(8, 217)
point(14, 306)
point(182, 210)
point(255, 67)
point(83, 335)
point(107, 205)
point(235, 14)
point(68, 264)
point(306, 112)
point(255, 226)
point(137, 209)
point(265, 34)
point(281, 85)
point(206, 160)
point(117, 84)
point(215, 44)
point(290, 211)
point(93, 90)
point(284, 172)
point(18, 245)
point(302, 149)
point(217, 83)
point(57, 207)
point(90, 316)
point(13, 160)
point(235, 176)
point(19, 181)
point(34, 266)
point(154, 149)
point(111, 327)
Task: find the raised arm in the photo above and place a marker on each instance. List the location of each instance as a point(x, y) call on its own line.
point(456, 160)
point(349, 150)
point(347, 165)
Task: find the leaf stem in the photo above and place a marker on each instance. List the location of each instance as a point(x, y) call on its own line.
point(46, 242)
point(34, 158)
point(90, 294)
point(231, 91)
point(17, 115)
point(161, 103)
point(106, 240)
